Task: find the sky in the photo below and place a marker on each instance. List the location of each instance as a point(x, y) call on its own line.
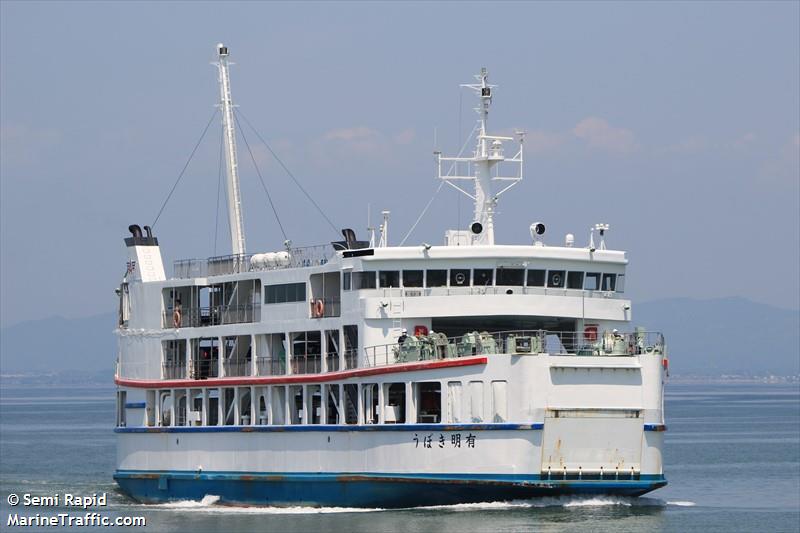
point(676, 123)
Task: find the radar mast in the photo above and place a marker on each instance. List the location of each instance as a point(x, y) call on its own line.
point(231, 161)
point(483, 167)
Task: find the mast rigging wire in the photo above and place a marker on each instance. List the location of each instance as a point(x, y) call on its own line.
point(452, 166)
point(175, 185)
point(219, 187)
point(288, 172)
point(261, 178)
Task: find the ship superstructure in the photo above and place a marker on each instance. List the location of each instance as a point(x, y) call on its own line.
point(364, 374)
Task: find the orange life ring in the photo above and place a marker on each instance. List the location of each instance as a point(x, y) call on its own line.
point(319, 308)
point(176, 318)
point(590, 333)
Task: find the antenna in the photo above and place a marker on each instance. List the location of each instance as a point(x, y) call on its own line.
point(483, 167)
point(231, 159)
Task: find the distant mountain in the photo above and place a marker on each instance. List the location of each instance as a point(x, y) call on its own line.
point(725, 335)
point(708, 337)
point(69, 347)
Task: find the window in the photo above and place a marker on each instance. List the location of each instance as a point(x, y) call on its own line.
point(429, 404)
point(285, 292)
point(363, 280)
point(482, 277)
point(412, 278)
point(620, 282)
point(592, 281)
point(609, 282)
point(510, 276)
point(475, 401)
point(499, 402)
point(555, 278)
point(536, 278)
point(459, 277)
point(346, 276)
point(436, 278)
point(454, 401)
point(394, 412)
point(575, 280)
point(389, 278)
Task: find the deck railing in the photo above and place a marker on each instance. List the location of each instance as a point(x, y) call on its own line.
point(194, 317)
point(173, 370)
point(237, 368)
point(237, 263)
point(438, 346)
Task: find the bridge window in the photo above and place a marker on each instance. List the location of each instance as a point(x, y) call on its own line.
point(412, 278)
point(514, 277)
point(592, 282)
point(436, 278)
point(609, 282)
point(459, 277)
point(536, 278)
point(555, 278)
point(620, 282)
point(285, 292)
point(575, 280)
point(346, 280)
point(481, 277)
point(364, 280)
point(389, 278)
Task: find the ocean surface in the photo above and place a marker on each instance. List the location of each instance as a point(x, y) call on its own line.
point(732, 459)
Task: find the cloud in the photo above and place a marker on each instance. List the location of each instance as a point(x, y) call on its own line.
point(599, 134)
point(540, 141)
point(361, 141)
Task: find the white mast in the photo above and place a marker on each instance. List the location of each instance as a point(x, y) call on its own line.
point(234, 196)
point(483, 167)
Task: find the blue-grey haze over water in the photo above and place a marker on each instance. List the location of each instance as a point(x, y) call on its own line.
point(732, 459)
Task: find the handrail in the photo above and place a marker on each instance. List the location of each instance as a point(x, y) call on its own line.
point(438, 346)
point(300, 257)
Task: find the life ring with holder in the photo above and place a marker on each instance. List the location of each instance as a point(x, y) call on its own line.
point(318, 308)
point(176, 318)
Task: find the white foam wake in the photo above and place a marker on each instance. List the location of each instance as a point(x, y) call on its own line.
point(211, 503)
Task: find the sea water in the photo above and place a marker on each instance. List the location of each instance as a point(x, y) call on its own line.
point(732, 459)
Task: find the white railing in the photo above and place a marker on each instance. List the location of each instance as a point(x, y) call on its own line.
point(437, 346)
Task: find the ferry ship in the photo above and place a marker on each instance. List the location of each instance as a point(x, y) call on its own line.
point(361, 374)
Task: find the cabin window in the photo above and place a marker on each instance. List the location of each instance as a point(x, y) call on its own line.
point(436, 278)
point(575, 280)
point(364, 280)
point(620, 282)
point(499, 401)
point(475, 401)
point(369, 397)
point(395, 398)
point(609, 282)
point(412, 278)
point(536, 278)
point(592, 282)
point(346, 276)
point(454, 402)
point(278, 405)
point(285, 292)
point(459, 277)
point(429, 402)
point(296, 405)
point(333, 399)
point(514, 277)
point(213, 407)
point(389, 278)
point(350, 401)
point(555, 278)
point(122, 398)
point(482, 277)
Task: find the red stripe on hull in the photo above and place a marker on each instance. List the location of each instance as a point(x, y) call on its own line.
point(300, 378)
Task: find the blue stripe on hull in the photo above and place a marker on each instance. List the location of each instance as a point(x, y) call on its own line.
point(364, 490)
